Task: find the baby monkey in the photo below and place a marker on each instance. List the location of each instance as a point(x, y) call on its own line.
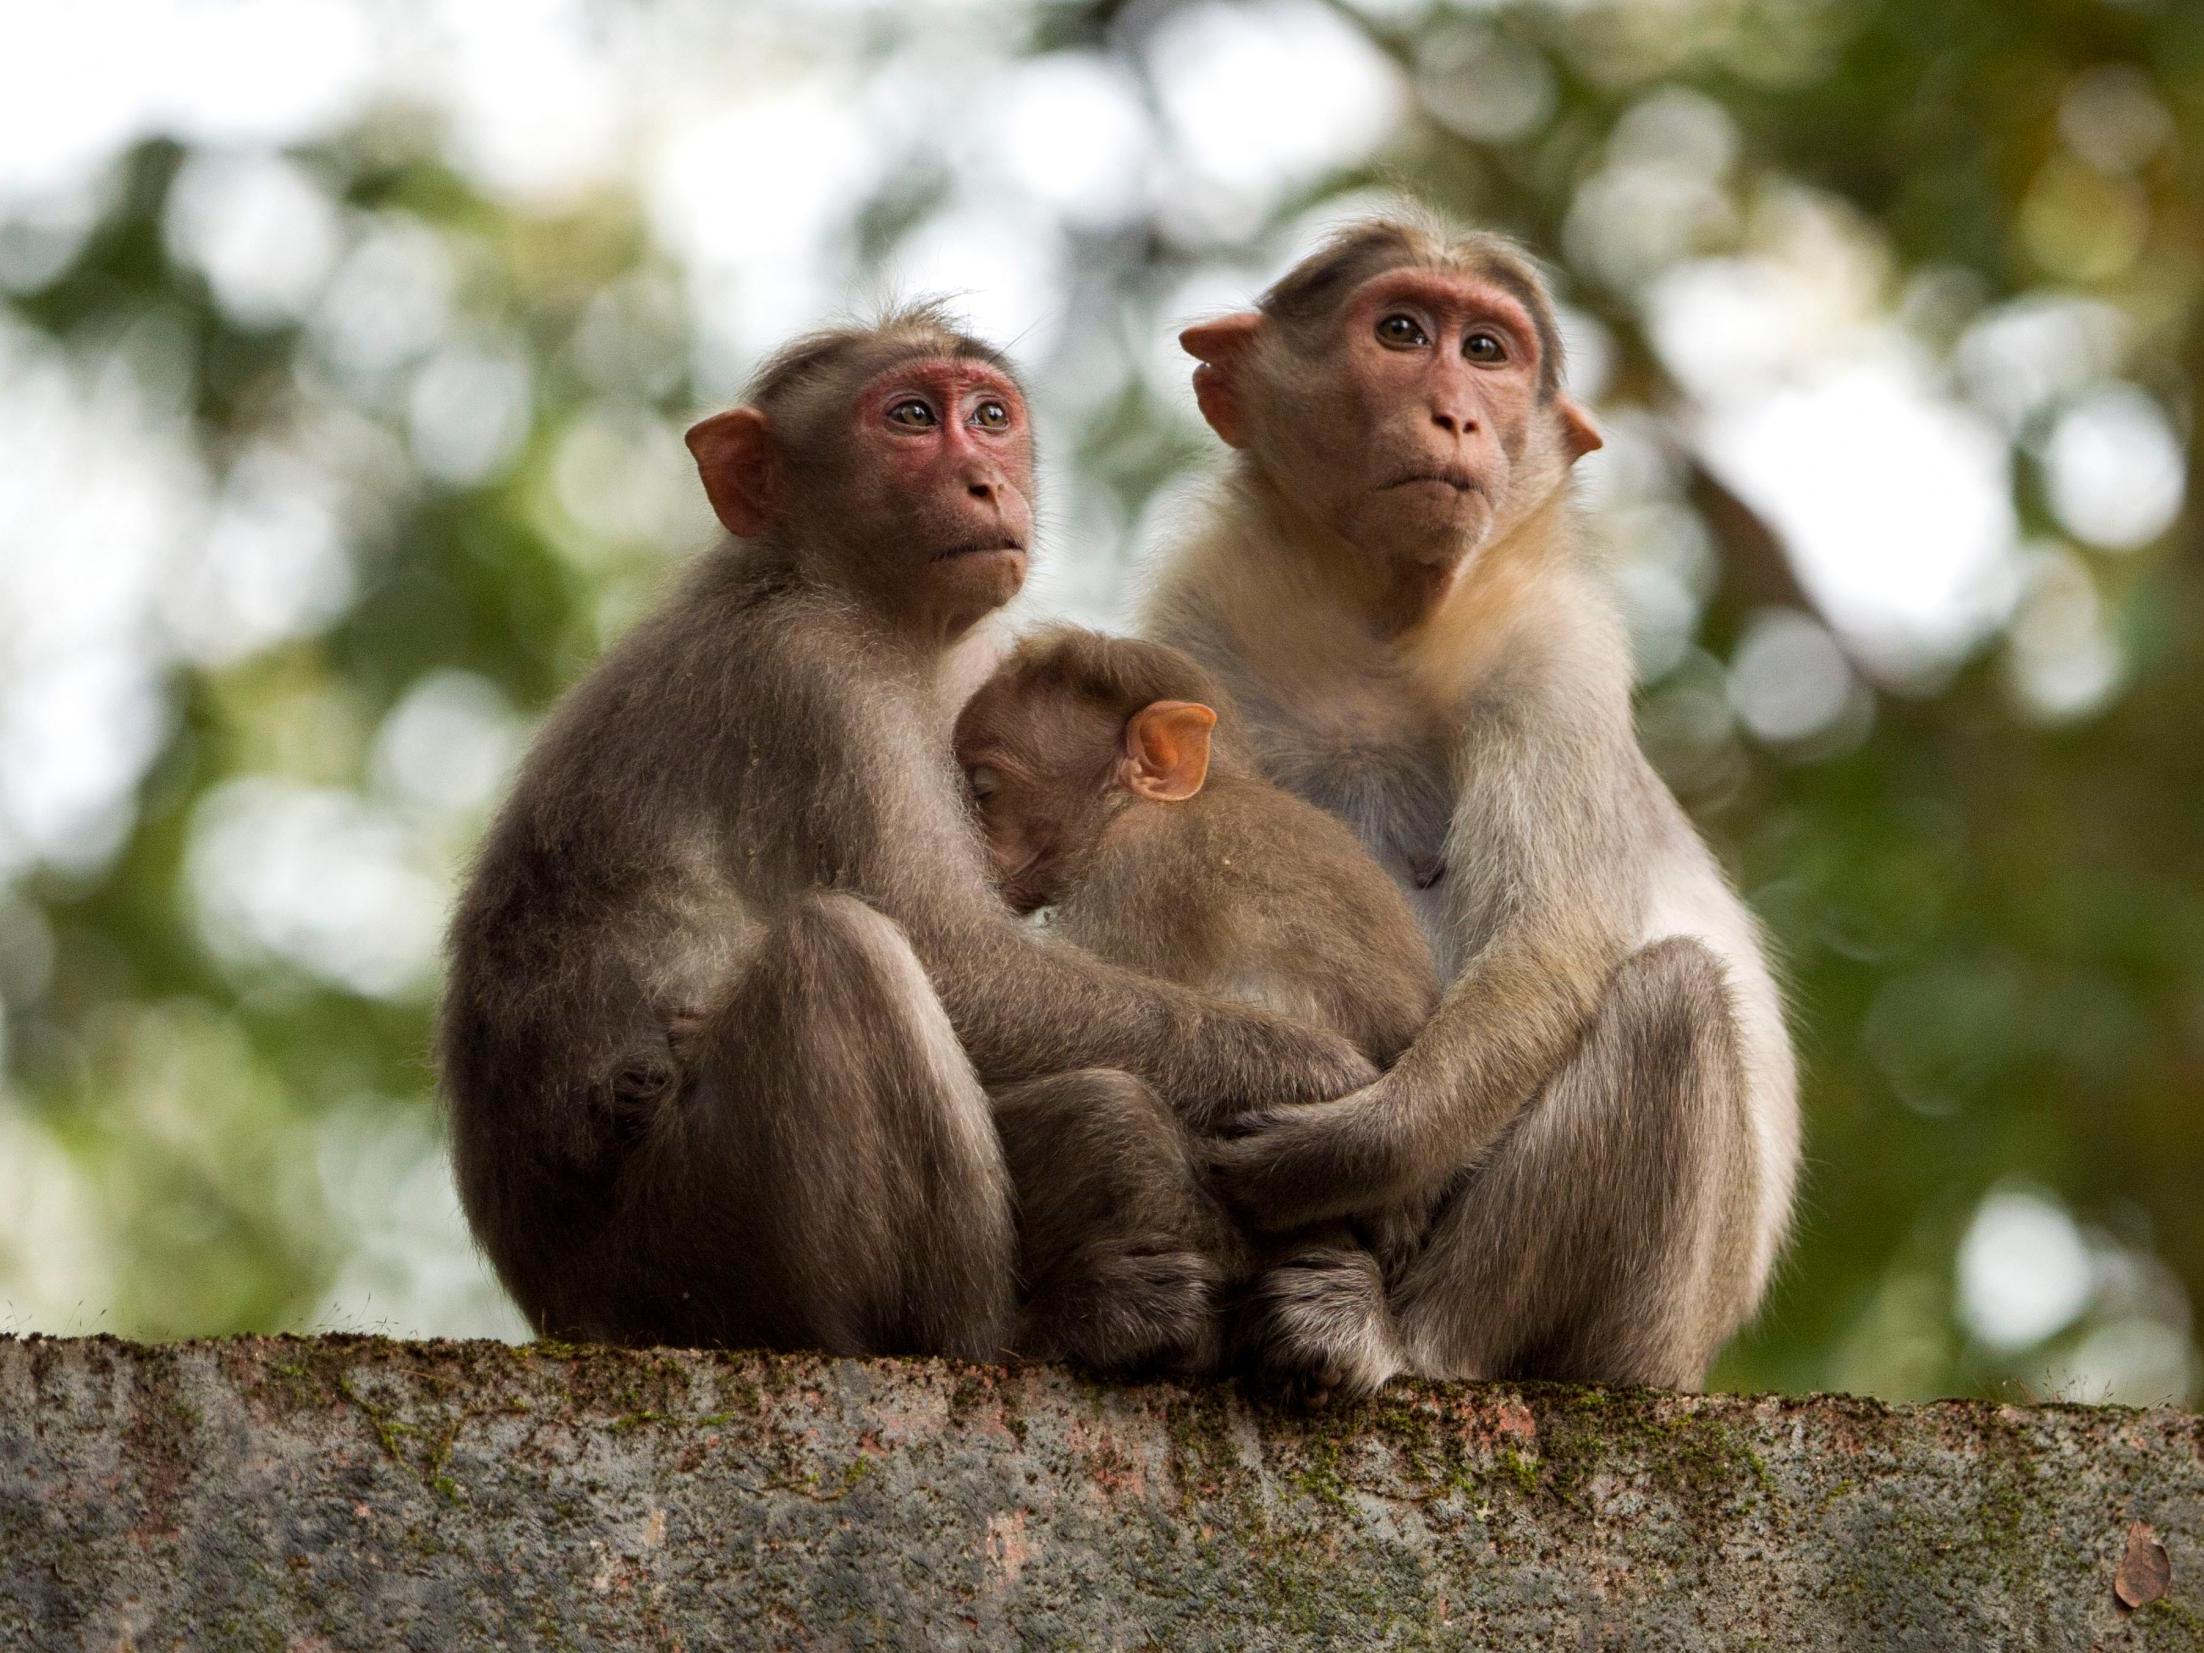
point(1111, 789)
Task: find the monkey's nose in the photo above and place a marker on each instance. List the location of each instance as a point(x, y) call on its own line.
point(982, 491)
point(1454, 424)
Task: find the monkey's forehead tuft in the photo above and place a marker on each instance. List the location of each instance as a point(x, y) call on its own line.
point(935, 370)
point(1445, 287)
point(847, 355)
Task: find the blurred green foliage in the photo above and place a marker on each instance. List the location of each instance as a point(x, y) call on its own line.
point(1992, 917)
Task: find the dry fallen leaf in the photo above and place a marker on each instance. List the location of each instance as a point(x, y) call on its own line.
point(2145, 1570)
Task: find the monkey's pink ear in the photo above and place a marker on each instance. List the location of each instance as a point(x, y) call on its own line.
point(734, 456)
point(1167, 750)
point(1578, 434)
point(1219, 346)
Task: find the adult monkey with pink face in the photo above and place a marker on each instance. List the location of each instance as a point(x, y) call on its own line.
point(740, 1045)
point(1600, 1121)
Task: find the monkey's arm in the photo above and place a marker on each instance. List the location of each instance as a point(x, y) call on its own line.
point(1542, 884)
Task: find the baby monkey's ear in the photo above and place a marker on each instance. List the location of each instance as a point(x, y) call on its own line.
point(1167, 750)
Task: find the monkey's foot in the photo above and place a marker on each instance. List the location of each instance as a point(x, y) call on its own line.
point(1125, 1310)
point(1318, 1327)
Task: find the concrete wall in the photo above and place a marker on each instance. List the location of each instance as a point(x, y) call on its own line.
point(351, 1492)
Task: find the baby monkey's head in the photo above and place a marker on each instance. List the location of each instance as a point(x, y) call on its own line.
point(1071, 731)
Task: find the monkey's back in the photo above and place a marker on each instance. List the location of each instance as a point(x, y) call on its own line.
point(1250, 893)
point(616, 886)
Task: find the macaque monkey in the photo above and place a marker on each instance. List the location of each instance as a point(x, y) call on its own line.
point(740, 1046)
point(1104, 797)
point(1600, 1119)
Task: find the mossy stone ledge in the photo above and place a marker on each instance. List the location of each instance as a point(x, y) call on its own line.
point(348, 1492)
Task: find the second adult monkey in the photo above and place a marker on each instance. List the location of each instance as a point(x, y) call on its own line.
point(1105, 798)
point(733, 1013)
point(1601, 1117)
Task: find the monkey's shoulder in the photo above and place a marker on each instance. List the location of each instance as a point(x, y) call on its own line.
point(762, 672)
point(690, 766)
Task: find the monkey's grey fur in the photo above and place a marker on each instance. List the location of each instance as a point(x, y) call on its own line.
point(744, 824)
point(1600, 1121)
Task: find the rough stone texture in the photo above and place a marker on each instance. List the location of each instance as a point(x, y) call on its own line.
point(351, 1492)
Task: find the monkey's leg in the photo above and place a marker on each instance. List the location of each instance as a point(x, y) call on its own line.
point(1123, 1252)
point(831, 1177)
point(1317, 1322)
point(1604, 1238)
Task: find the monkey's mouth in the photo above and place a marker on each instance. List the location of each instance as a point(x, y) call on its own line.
point(979, 548)
point(1460, 481)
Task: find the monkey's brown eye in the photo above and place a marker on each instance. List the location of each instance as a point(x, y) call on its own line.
point(1485, 349)
point(991, 415)
point(1401, 332)
point(985, 783)
point(912, 414)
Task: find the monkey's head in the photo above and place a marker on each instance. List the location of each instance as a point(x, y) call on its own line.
point(1401, 386)
point(895, 460)
point(1072, 731)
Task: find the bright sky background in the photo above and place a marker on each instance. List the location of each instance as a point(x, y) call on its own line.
point(746, 130)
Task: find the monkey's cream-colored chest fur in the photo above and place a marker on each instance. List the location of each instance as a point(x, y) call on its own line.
point(1361, 738)
point(1355, 742)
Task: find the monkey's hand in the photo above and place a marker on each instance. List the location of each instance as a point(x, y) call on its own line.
point(1271, 1059)
point(1286, 1167)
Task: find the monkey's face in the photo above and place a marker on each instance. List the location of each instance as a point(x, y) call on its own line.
point(929, 488)
point(1416, 445)
point(1038, 765)
point(1417, 420)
